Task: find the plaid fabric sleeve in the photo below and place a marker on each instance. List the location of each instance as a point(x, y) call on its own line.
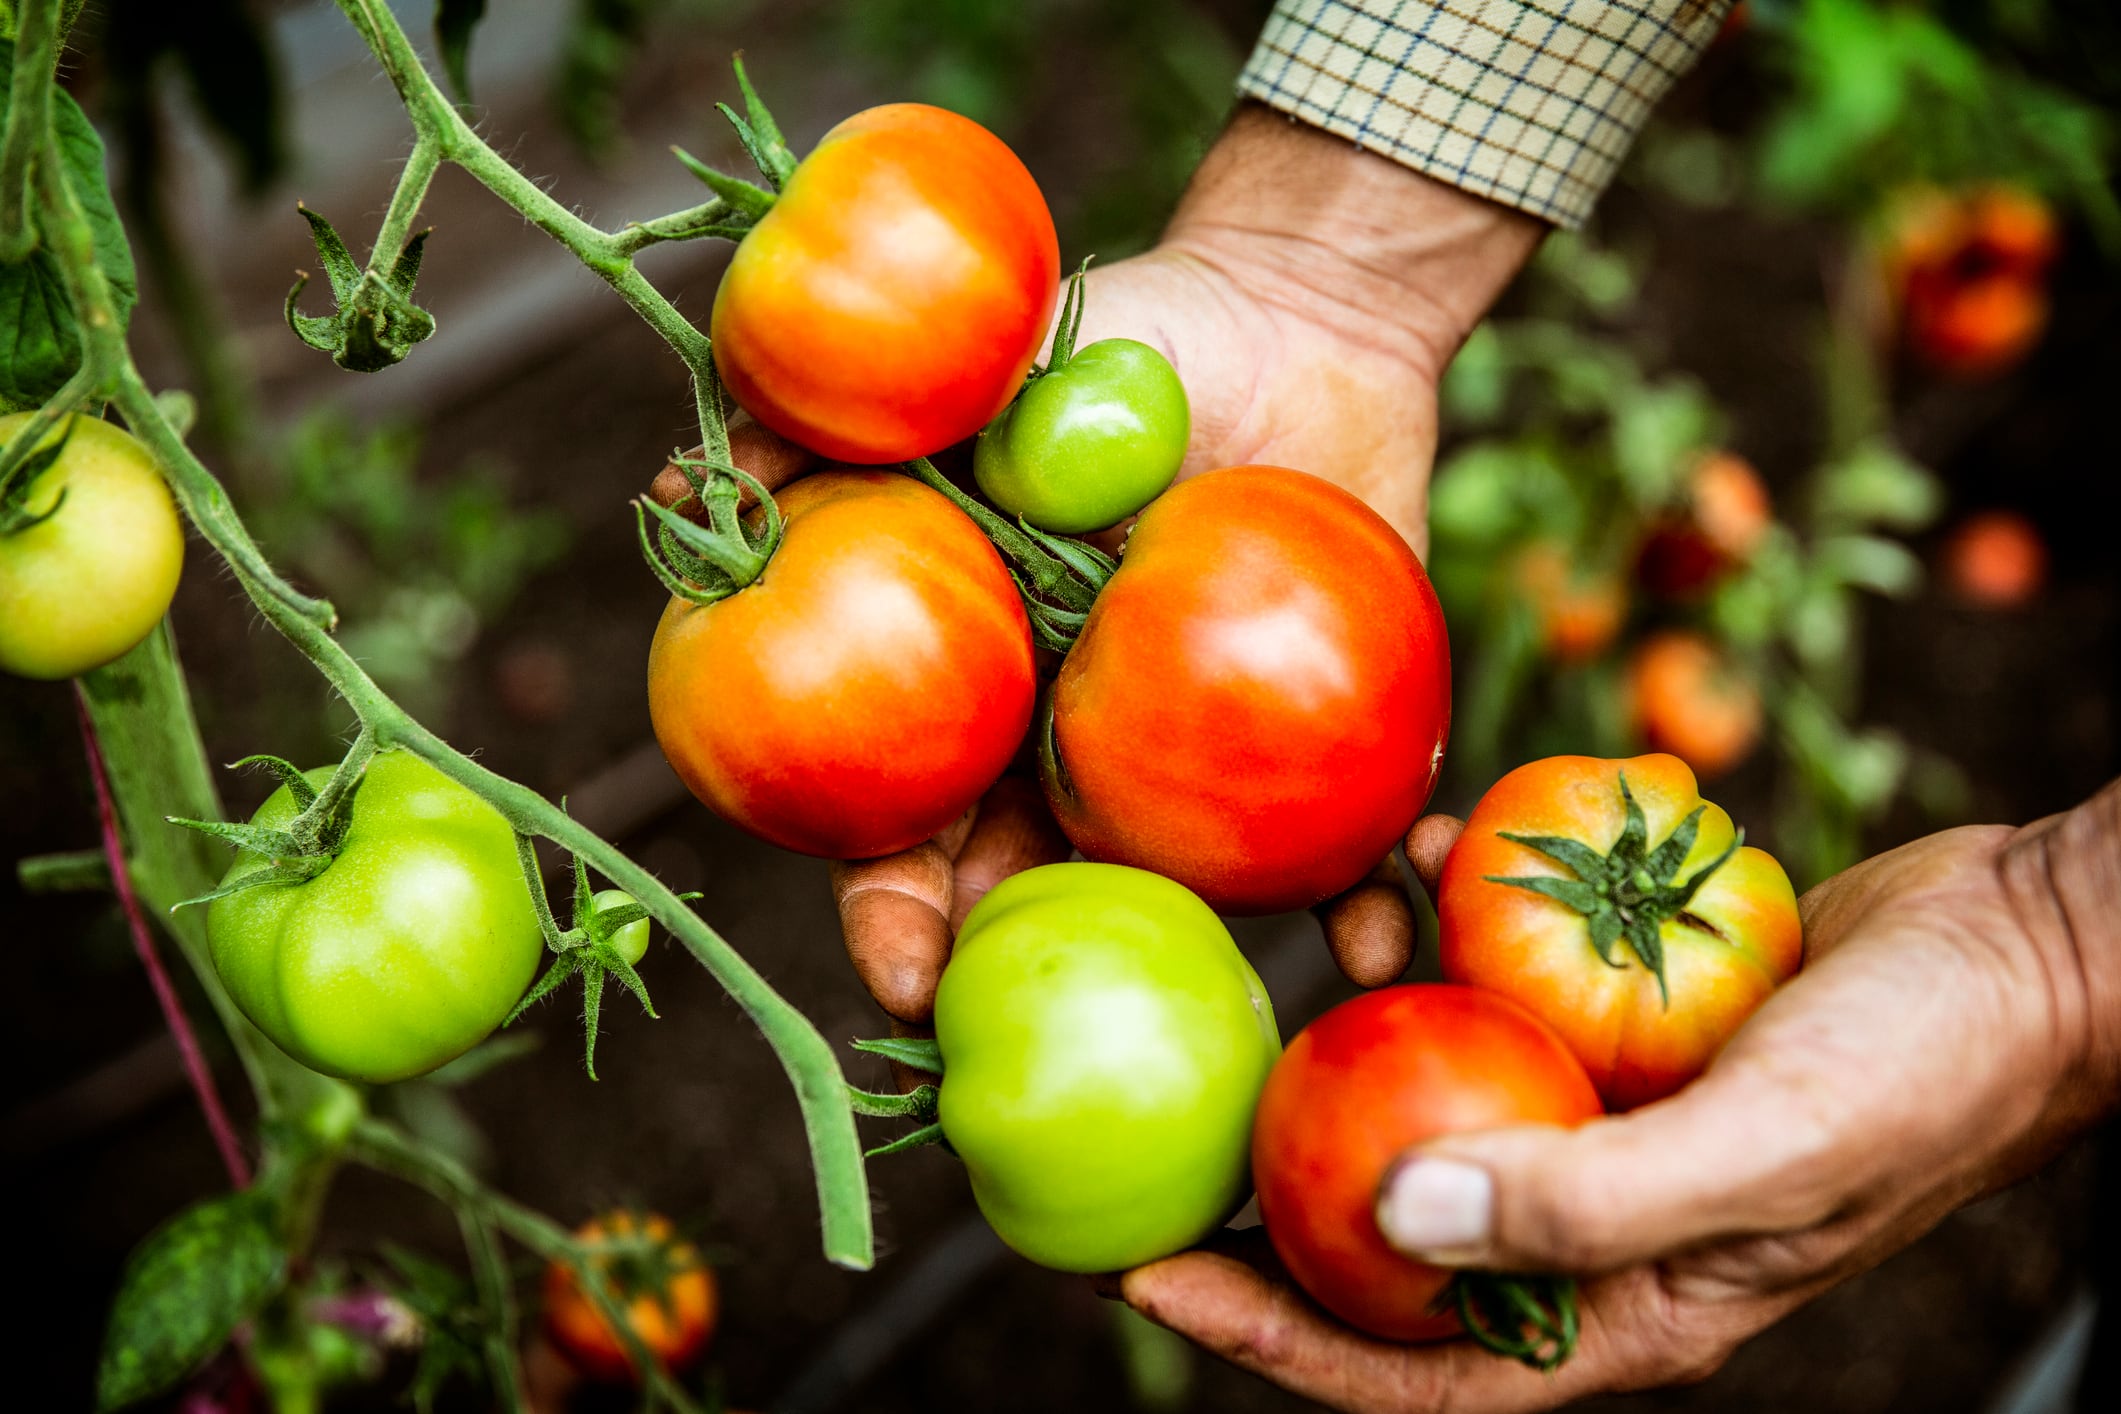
point(1532, 103)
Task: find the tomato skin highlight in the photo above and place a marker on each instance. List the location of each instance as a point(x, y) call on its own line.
point(403, 954)
point(866, 689)
point(85, 585)
point(1105, 1042)
point(1258, 704)
point(1087, 445)
point(892, 300)
point(675, 1329)
point(1358, 1087)
point(1538, 951)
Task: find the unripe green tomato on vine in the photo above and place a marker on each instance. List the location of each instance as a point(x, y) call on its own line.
point(89, 581)
point(1104, 1044)
point(630, 941)
point(1090, 443)
point(405, 952)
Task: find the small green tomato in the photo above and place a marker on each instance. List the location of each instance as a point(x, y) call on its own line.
point(1089, 442)
point(1105, 1044)
point(630, 941)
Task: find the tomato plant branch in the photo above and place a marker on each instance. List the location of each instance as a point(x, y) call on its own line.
point(805, 1056)
point(489, 1272)
point(195, 1068)
point(384, 1148)
point(28, 119)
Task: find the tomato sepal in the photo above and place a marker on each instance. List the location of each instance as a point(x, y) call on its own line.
point(1628, 893)
point(1531, 1319)
point(917, 1103)
point(22, 473)
point(919, 1052)
point(307, 844)
point(375, 323)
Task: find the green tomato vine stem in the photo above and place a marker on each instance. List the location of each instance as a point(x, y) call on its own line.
point(28, 120)
point(807, 1058)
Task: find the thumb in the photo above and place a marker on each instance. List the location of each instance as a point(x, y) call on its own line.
point(1728, 1155)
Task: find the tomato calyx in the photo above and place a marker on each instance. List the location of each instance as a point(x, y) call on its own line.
point(1530, 1319)
point(1628, 893)
point(738, 204)
point(589, 948)
point(921, 1103)
point(704, 564)
point(375, 323)
point(307, 845)
point(1057, 576)
point(1067, 327)
point(19, 473)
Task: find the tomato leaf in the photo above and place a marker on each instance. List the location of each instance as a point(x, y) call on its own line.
point(185, 1290)
point(44, 345)
point(454, 22)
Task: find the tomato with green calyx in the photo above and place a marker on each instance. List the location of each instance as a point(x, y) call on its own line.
point(1104, 1043)
point(402, 951)
point(891, 300)
point(1356, 1089)
point(1092, 439)
point(1257, 704)
point(628, 940)
point(1624, 911)
point(865, 688)
point(90, 549)
point(663, 1288)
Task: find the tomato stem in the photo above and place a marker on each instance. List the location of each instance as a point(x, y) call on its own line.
point(1070, 322)
point(37, 26)
point(1531, 1319)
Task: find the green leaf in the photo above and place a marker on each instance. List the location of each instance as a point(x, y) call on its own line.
point(185, 1290)
point(43, 347)
point(1876, 485)
point(1870, 562)
point(454, 22)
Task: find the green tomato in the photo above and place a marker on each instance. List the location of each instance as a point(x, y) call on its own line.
point(631, 941)
point(1090, 443)
point(86, 584)
point(1104, 1044)
point(405, 952)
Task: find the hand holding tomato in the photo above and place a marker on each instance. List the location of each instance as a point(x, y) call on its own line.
point(1819, 1142)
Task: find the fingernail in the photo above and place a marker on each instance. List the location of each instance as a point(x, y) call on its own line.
point(1437, 1209)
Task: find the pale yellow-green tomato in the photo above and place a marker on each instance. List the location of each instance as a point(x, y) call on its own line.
point(86, 584)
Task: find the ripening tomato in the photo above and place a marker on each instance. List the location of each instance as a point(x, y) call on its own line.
point(1995, 560)
point(1621, 909)
point(892, 300)
point(1967, 272)
point(864, 691)
point(1258, 703)
point(407, 950)
point(665, 1291)
point(84, 585)
point(1726, 514)
point(1578, 612)
point(1105, 1042)
point(1360, 1086)
point(1685, 697)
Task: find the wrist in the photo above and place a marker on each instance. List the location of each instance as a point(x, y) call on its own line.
point(1307, 221)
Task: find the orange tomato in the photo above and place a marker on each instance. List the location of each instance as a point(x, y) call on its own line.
point(1698, 934)
point(1726, 513)
point(1684, 697)
point(892, 300)
point(1995, 560)
point(1579, 614)
point(664, 1290)
point(1967, 272)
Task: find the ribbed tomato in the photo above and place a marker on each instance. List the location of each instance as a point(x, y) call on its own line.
point(1258, 703)
point(865, 689)
point(1617, 905)
point(891, 301)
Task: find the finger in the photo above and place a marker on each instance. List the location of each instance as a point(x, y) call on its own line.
point(1370, 928)
point(755, 448)
point(1236, 1310)
point(1013, 831)
point(1428, 844)
point(895, 917)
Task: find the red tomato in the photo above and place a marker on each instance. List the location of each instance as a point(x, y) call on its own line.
point(892, 300)
point(1357, 1088)
point(1995, 560)
point(1686, 698)
point(1726, 514)
point(1968, 273)
point(665, 1291)
point(864, 691)
point(1258, 704)
point(1721, 945)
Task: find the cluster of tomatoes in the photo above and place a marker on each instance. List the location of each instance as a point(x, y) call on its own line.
point(1967, 275)
point(1246, 718)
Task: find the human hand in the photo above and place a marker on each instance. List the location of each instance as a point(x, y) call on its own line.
point(1958, 1021)
point(1309, 295)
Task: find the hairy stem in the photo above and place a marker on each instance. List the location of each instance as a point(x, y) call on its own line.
point(28, 120)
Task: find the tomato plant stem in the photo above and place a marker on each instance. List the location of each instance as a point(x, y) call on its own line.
point(28, 119)
point(195, 1068)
